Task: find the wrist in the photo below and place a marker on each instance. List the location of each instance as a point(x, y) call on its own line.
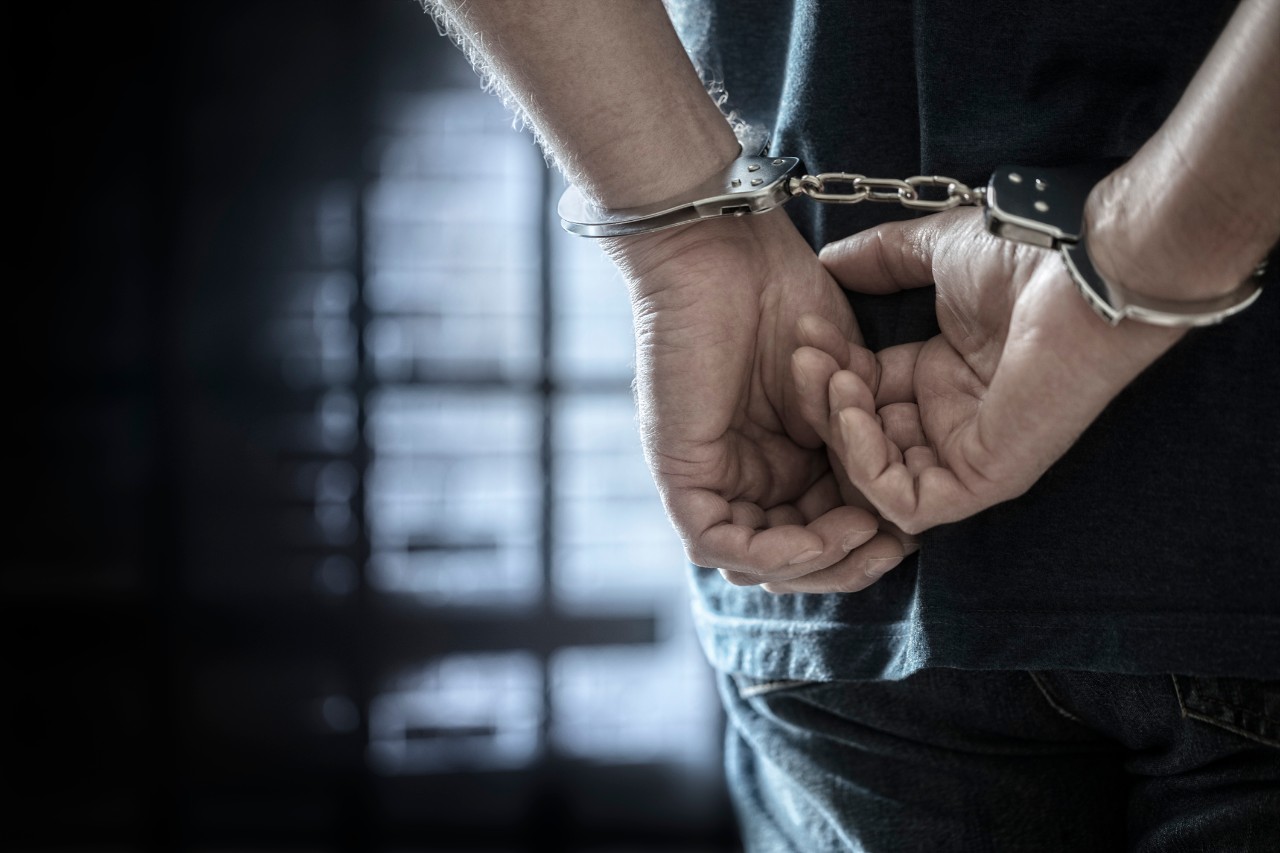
point(1155, 230)
point(658, 165)
point(644, 253)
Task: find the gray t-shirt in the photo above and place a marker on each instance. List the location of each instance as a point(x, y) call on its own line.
point(1153, 545)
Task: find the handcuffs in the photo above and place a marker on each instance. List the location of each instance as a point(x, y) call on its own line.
point(1039, 206)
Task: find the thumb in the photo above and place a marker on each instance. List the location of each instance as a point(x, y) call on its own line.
point(888, 258)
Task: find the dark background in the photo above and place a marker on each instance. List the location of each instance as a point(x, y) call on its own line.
point(163, 635)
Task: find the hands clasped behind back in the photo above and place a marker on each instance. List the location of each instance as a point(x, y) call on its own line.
point(745, 479)
point(947, 427)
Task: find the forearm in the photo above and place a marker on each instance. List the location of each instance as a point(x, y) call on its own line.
point(1199, 205)
point(609, 88)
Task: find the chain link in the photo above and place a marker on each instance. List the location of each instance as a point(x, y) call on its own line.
point(886, 190)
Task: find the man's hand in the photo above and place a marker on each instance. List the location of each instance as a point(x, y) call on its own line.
point(746, 482)
point(1023, 366)
point(975, 415)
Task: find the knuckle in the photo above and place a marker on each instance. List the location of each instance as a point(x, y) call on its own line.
point(863, 362)
point(855, 582)
point(911, 527)
point(699, 556)
point(882, 255)
point(738, 578)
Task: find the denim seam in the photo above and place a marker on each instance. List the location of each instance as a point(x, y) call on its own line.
point(1053, 703)
point(746, 692)
point(1244, 733)
point(753, 624)
point(1248, 712)
point(1177, 691)
point(1214, 721)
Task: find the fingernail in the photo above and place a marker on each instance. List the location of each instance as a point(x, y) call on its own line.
point(856, 538)
point(848, 421)
point(844, 388)
point(805, 557)
point(877, 566)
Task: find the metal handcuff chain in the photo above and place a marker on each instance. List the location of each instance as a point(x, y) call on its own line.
point(907, 193)
point(1038, 206)
point(1022, 214)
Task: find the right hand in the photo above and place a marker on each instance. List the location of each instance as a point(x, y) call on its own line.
point(974, 416)
point(745, 481)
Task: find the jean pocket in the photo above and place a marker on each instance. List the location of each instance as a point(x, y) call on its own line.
point(1245, 706)
point(749, 688)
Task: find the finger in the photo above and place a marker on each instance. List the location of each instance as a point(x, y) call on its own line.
point(823, 350)
point(901, 425)
point(821, 334)
point(741, 578)
point(913, 500)
point(811, 371)
point(896, 373)
point(849, 493)
point(742, 549)
point(888, 258)
point(874, 464)
point(746, 514)
point(860, 569)
point(820, 498)
point(847, 390)
point(910, 544)
point(782, 515)
point(772, 544)
point(824, 345)
point(913, 451)
point(918, 459)
point(705, 521)
point(831, 491)
point(843, 529)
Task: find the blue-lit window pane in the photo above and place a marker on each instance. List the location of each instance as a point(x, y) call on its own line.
point(452, 495)
point(621, 704)
point(615, 548)
point(593, 336)
point(467, 393)
point(474, 712)
point(453, 250)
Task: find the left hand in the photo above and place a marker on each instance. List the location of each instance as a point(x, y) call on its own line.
point(746, 482)
point(975, 415)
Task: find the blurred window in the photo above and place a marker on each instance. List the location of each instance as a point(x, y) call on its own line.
point(505, 469)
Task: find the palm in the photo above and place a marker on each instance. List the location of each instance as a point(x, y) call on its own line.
point(745, 480)
point(711, 394)
point(976, 414)
point(954, 370)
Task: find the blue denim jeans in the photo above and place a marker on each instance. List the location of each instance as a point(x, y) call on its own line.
point(952, 760)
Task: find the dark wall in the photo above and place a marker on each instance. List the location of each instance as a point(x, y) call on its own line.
point(163, 148)
point(157, 597)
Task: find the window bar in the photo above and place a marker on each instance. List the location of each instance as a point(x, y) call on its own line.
point(359, 663)
point(546, 460)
